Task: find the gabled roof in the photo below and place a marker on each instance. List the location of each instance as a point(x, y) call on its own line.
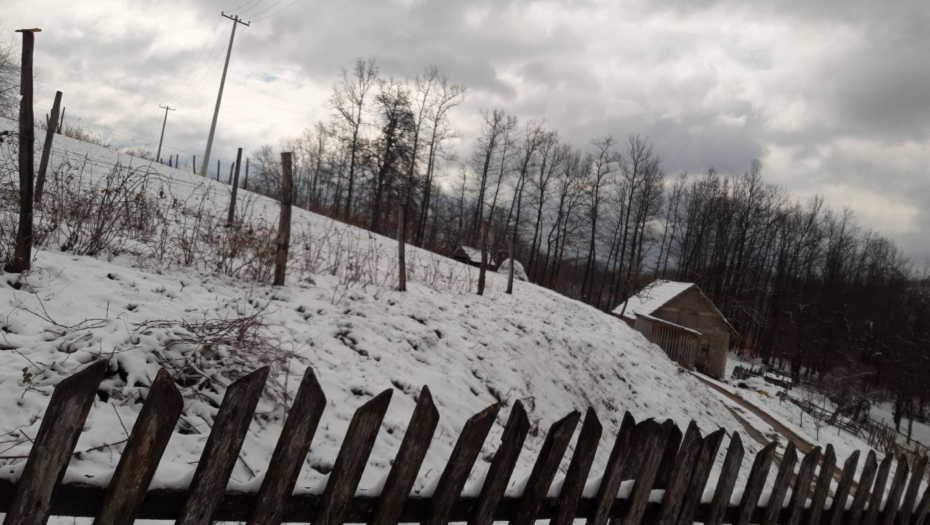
point(659, 293)
point(470, 254)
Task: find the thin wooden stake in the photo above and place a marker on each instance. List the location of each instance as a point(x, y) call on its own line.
point(352, 459)
point(670, 457)
point(409, 458)
point(505, 460)
point(578, 469)
point(756, 482)
point(453, 477)
point(235, 191)
point(896, 491)
point(780, 487)
point(680, 476)
point(705, 463)
point(402, 248)
point(613, 472)
point(50, 127)
point(651, 448)
point(52, 447)
point(822, 489)
point(878, 491)
point(22, 249)
point(284, 223)
point(802, 486)
point(862, 489)
point(221, 451)
point(910, 497)
point(726, 482)
point(545, 468)
point(920, 516)
point(484, 257)
point(290, 451)
point(842, 489)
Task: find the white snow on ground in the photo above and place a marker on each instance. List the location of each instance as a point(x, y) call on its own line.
point(358, 334)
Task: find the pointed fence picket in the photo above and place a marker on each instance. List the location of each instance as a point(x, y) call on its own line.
point(655, 456)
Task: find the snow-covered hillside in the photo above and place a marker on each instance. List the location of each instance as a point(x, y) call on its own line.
point(146, 307)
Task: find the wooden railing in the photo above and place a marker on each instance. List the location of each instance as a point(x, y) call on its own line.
point(655, 455)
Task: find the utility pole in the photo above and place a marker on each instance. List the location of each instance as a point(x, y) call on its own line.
point(163, 124)
point(219, 96)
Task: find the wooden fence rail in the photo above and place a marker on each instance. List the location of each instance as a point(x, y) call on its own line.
point(655, 455)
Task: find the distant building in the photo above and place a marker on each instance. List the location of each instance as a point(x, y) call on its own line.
point(681, 320)
point(471, 256)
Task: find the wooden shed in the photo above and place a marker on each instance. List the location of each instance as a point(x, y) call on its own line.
point(681, 320)
point(471, 256)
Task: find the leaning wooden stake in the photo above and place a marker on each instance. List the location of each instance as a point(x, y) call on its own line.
point(51, 450)
point(235, 191)
point(22, 251)
point(505, 460)
point(284, 225)
point(47, 148)
point(484, 257)
point(401, 248)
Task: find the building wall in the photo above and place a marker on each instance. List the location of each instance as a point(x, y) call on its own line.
point(715, 334)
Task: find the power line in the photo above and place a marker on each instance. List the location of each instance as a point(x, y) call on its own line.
point(241, 6)
point(254, 7)
point(208, 74)
point(267, 8)
point(197, 61)
point(202, 73)
point(278, 11)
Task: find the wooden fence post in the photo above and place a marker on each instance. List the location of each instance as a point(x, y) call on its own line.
point(194, 166)
point(484, 257)
point(22, 252)
point(235, 191)
point(401, 248)
point(61, 123)
point(284, 224)
point(50, 127)
point(245, 183)
point(217, 169)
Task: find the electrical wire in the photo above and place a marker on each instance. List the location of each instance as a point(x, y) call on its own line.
point(196, 62)
point(209, 74)
point(197, 83)
point(267, 8)
point(278, 11)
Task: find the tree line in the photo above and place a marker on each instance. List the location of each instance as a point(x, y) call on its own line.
point(804, 286)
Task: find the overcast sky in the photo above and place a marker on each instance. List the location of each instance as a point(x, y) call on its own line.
point(833, 97)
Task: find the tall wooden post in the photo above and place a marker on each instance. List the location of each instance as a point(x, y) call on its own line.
point(50, 128)
point(61, 123)
point(510, 254)
point(401, 248)
point(484, 257)
point(284, 225)
point(22, 252)
point(231, 168)
point(217, 169)
point(194, 166)
point(235, 191)
point(245, 183)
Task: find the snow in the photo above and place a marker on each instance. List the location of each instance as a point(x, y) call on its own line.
point(652, 297)
point(519, 274)
point(359, 337)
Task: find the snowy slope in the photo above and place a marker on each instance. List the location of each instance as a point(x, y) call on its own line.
point(359, 335)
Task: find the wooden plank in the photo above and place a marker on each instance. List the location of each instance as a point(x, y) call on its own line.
point(613, 471)
point(545, 468)
point(52, 447)
point(827, 468)
point(222, 449)
point(291, 449)
point(408, 461)
point(802, 486)
point(906, 514)
point(453, 477)
point(758, 474)
point(842, 489)
point(780, 487)
point(680, 476)
point(578, 469)
point(878, 491)
point(897, 490)
point(139, 460)
point(726, 482)
point(705, 463)
point(651, 449)
point(505, 460)
point(862, 489)
point(923, 508)
point(670, 456)
point(352, 459)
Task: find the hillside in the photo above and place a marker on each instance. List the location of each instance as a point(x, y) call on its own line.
point(153, 296)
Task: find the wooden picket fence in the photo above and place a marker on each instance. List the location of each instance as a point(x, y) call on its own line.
point(654, 455)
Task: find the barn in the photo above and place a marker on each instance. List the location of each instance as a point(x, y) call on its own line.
point(681, 320)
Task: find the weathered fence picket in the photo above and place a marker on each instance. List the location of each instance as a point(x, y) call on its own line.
point(653, 455)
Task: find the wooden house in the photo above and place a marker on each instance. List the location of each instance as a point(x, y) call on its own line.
point(471, 256)
point(681, 320)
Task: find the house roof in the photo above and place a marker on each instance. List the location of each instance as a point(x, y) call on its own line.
point(473, 255)
point(685, 329)
point(658, 294)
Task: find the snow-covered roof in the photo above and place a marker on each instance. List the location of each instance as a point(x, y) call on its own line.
point(652, 297)
point(472, 254)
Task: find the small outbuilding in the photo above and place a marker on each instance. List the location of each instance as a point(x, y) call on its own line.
point(471, 256)
point(681, 320)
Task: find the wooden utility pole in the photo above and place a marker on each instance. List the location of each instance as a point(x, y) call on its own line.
point(484, 257)
point(163, 125)
point(401, 248)
point(22, 252)
point(50, 128)
point(219, 96)
point(284, 225)
point(235, 191)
